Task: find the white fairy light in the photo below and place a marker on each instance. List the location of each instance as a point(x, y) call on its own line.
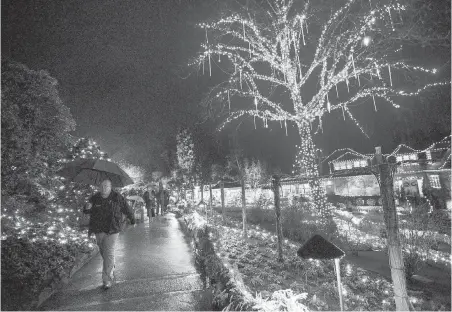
point(337, 58)
point(366, 41)
point(390, 75)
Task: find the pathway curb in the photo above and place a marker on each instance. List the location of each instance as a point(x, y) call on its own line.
point(57, 284)
point(225, 294)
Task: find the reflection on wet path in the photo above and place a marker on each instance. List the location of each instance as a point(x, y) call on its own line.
point(155, 270)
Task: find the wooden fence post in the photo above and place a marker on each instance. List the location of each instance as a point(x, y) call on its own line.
point(223, 210)
point(210, 200)
point(276, 185)
point(384, 170)
point(245, 234)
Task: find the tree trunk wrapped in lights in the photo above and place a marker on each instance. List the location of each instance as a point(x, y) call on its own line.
point(293, 65)
point(305, 167)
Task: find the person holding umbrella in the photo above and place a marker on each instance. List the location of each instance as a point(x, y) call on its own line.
point(149, 199)
point(106, 208)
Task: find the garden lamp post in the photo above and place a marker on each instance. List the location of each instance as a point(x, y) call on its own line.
point(318, 248)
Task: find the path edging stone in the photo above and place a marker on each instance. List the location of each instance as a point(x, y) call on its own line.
point(225, 293)
point(57, 284)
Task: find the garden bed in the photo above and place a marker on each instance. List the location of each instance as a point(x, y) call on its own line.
point(40, 252)
point(255, 260)
point(32, 271)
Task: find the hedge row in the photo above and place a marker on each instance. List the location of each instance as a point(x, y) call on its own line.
point(30, 270)
point(226, 292)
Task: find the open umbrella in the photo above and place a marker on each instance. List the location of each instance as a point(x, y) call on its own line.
point(94, 171)
point(135, 198)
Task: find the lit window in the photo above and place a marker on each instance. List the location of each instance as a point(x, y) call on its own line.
point(429, 155)
point(363, 163)
point(356, 164)
point(406, 157)
point(399, 158)
point(413, 157)
point(434, 181)
point(349, 165)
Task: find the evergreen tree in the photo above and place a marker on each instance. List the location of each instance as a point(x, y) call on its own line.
point(186, 157)
point(35, 129)
point(75, 194)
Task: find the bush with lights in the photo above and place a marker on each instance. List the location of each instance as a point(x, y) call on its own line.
point(74, 195)
point(41, 245)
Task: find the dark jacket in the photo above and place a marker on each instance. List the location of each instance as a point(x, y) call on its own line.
point(150, 201)
point(106, 213)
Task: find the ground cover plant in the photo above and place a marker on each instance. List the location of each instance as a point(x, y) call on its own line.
point(348, 225)
point(37, 249)
point(357, 231)
point(255, 260)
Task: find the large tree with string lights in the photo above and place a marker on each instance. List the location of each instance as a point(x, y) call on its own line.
point(292, 62)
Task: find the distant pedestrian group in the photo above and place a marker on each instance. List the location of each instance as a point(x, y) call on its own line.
point(156, 203)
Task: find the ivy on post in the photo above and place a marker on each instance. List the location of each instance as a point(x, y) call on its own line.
point(242, 182)
point(223, 210)
point(384, 169)
point(276, 184)
point(210, 199)
point(162, 197)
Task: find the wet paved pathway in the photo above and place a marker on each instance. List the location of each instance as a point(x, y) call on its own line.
point(154, 271)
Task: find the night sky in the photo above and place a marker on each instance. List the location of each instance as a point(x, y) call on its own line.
point(121, 67)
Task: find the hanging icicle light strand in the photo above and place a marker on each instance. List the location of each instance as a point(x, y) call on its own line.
point(338, 53)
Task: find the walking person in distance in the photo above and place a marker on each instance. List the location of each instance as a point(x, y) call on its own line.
point(149, 199)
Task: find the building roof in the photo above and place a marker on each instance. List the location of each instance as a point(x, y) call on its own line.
point(348, 173)
point(348, 156)
point(227, 184)
point(441, 145)
point(404, 149)
point(341, 152)
point(445, 164)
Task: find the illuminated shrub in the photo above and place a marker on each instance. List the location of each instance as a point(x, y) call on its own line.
point(300, 222)
point(417, 235)
point(360, 202)
point(341, 206)
point(27, 268)
point(264, 201)
point(259, 214)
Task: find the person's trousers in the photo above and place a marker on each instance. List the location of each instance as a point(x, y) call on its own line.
point(151, 212)
point(106, 243)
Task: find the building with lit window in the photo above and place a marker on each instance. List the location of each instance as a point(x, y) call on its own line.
point(347, 173)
